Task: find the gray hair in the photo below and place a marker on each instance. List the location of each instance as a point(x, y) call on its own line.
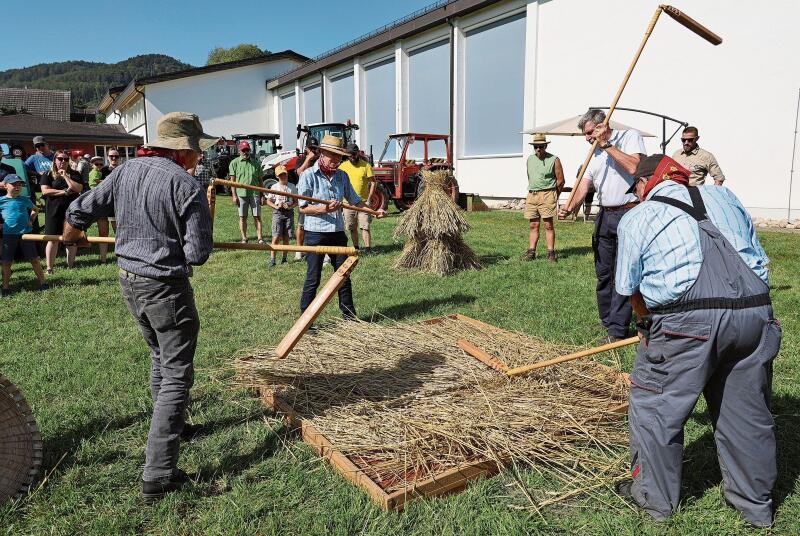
point(593, 115)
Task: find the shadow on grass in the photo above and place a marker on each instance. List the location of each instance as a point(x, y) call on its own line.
point(403, 310)
point(578, 251)
point(386, 248)
point(490, 260)
point(701, 468)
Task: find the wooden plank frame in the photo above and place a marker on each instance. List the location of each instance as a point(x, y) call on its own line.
point(447, 482)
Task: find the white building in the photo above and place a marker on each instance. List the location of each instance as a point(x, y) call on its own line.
point(484, 71)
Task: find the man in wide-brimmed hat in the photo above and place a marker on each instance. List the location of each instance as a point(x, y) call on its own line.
point(324, 223)
point(163, 229)
point(545, 181)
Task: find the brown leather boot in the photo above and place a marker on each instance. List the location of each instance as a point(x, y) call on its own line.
point(551, 256)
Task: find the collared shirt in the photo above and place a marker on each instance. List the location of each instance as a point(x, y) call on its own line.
point(610, 180)
point(658, 248)
point(246, 171)
point(163, 221)
point(701, 163)
point(314, 183)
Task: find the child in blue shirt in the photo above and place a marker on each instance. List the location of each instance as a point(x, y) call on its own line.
point(18, 214)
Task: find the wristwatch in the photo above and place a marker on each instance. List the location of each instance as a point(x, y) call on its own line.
point(605, 146)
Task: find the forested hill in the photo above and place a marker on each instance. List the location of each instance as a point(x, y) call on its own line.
point(89, 81)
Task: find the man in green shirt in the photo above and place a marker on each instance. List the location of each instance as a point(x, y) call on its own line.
point(545, 181)
point(246, 169)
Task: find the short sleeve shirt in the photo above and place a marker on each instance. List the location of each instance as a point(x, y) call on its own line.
point(39, 163)
point(60, 184)
point(246, 172)
point(280, 199)
point(610, 180)
point(360, 175)
point(16, 214)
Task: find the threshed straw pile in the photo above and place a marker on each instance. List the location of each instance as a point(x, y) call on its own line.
point(434, 225)
point(404, 403)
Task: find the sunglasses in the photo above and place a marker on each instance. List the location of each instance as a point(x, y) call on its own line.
point(113, 157)
point(540, 146)
point(62, 158)
point(688, 140)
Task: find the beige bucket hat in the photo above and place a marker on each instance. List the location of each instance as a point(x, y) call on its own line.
point(539, 139)
point(182, 130)
point(333, 144)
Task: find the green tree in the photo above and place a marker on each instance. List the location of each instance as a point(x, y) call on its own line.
point(239, 52)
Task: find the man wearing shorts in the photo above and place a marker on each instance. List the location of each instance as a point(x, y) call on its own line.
point(363, 182)
point(545, 181)
point(246, 169)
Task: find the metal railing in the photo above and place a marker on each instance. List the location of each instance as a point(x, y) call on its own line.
point(386, 27)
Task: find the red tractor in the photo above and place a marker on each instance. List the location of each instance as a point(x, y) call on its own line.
point(400, 179)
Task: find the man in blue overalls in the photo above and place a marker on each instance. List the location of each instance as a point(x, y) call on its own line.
point(690, 259)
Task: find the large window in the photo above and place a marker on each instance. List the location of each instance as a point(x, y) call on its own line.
point(429, 95)
point(288, 121)
point(343, 99)
point(379, 92)
point(134, 115)
point(312, 104)
point(494, 87)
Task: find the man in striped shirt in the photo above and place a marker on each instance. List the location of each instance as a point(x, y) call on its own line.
point(164, 228)
point(690, 259)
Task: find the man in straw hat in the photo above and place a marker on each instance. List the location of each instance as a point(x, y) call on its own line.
point(324, 223)
point(690, 259)
point(164, 228)
point(545, 181)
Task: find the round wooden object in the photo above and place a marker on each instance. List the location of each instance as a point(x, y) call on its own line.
point(20, 443)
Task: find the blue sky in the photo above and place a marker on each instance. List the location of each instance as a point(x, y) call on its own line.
point(46, 31)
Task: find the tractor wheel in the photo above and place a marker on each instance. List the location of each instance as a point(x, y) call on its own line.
point(379, 199)
point(403, 204)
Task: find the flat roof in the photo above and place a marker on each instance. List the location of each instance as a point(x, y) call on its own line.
point(419, 21)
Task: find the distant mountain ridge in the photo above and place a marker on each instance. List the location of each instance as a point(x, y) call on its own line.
point(89, 81)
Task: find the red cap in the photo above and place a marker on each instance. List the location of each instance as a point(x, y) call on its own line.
point(244, 145)
point(76, 153)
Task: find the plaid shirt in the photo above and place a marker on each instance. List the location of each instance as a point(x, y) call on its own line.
point(163, 221)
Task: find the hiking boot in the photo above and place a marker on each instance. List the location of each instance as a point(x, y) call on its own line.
point(283, 260)
point(529, 255)
point(551, 256)
point(153, 491)
point(272, 263)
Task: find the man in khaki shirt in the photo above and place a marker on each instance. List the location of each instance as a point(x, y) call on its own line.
point(699, 161)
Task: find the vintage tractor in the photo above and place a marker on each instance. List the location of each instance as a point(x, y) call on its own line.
point(311, 136)
point(400, 179)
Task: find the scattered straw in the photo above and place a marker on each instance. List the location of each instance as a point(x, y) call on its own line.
point(404, 403)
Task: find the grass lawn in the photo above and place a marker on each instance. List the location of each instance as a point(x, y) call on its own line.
point(78, 357)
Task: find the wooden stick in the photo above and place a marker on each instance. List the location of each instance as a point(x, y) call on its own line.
point(480, 355)
point(647, 33)
point(571, 357)
point(315, 307)
point(212, 198)
point(234, 184)
point(328, 250)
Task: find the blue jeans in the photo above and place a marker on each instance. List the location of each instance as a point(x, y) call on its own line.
point(314, 272)
point(169, 323)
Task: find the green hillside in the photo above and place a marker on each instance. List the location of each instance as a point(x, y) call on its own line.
point(89, 81)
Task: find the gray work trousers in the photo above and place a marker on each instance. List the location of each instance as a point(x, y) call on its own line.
point(169, 323)
point(727, 356)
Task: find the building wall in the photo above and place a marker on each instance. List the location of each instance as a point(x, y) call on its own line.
point(228, 102)
point(742, 95)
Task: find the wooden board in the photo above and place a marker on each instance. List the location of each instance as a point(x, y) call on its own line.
point(449, 481)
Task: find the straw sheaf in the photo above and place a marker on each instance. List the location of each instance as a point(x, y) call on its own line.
point(405, 403)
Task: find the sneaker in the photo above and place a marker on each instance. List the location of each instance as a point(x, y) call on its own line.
point(529, 255)
point(272, 263)
point(298, 256)
point(327, 261)
point(283, 260)
point(153, 491)
point(551, 256)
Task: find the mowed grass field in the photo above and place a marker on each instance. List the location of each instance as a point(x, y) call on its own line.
point(83, 366)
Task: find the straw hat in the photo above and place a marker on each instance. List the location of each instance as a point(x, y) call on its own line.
point(182, 130)
point(539, 139)
point(20, 443)
point(333, 144)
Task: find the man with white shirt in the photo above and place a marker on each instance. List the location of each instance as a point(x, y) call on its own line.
point(610, 171)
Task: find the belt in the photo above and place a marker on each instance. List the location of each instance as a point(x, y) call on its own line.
point(746, 302)
point(124, 274)
point(626, 206)
point(545, 190)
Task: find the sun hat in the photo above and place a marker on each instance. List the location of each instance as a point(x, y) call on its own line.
point(182, 131)
point(539, 139)
point(333, 144)
point(280, 170)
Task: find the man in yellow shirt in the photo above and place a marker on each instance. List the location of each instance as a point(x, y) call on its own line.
point(363, 181)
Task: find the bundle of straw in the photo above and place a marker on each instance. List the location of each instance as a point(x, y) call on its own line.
point(434, 225)
point(404, 403)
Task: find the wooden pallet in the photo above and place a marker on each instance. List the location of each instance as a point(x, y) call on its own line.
point(446, 482)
